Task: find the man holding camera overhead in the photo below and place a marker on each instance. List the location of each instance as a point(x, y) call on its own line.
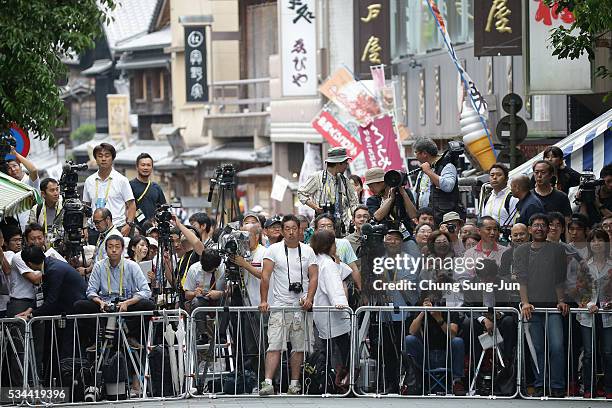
point(384, 205)
point(328, 190)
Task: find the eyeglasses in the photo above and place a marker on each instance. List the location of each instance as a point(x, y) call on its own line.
point(98, 222)
point(539, 226)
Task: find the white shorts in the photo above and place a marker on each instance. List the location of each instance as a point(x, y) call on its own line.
point(295, 328)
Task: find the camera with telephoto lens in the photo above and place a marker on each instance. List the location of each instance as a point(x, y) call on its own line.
point(587, 188)
point(7, 142)
point(296, 287)
point(451, 228)
point(395, 178)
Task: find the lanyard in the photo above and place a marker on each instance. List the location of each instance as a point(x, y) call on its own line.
point(108, 186)
point(143, 193)
point(108, 274)
point(178, 269)
point(44, 211)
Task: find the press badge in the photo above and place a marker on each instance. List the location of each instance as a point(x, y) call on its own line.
point(140, 217)
point(40, 298)
point(100, 202)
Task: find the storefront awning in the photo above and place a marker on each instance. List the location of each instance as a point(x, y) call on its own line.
point(16, 196)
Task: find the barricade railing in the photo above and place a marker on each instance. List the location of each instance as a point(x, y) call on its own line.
point(410, 352)
point(564, 357)
point(103, 357)
point(230, 348)
point(12, 359)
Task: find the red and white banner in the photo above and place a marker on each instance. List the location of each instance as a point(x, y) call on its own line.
point(336, 134)
point(380, 146)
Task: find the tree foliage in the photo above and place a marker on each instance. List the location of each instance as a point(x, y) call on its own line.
point(84, 133)
point(34, 37)
point(591, 28)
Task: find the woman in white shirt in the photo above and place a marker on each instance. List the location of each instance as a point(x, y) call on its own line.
point(595, 293)
point(333, 325)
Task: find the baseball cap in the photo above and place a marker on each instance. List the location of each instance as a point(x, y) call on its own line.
point(271, 221)
point(152, 242)
point(374, 175)
point(249, 214)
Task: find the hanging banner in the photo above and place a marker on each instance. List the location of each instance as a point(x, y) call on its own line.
point(298, 47)
point(372, 33)
point(544, 71)
point(118, 106)
point(474, 96)
point(497, 28)
point(351, 96)
point(335, 134)
point(358, 165)
point(196, 76)
point(380, 144)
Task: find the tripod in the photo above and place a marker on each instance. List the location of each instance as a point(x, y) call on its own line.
point(169, 290)
point(226, 207)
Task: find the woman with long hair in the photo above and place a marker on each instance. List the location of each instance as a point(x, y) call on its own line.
point(594, 292)
point(358, 185)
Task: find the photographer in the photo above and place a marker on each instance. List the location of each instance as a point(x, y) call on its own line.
point(203, 224)
point(293, 268)
point(328, 190)
point(437, 185)
point(103, 222)
point(361, 215)
point(451, 224)
point(15, 171)
point(187, 246)
point(600, 207)
point(118, 281)
point(107, 188)
point(45, 214)
point(383, 205)
point(149, 195)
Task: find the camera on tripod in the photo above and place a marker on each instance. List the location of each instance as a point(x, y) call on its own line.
point(587, 187)
point(7, 143)
point(373, 233)
point(73, 210)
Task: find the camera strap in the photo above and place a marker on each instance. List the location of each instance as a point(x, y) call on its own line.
point(143, 193)
point(299, 248)
point(108, 277)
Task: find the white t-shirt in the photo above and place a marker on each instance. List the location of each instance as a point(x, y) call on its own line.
point(196, 277)
point(24, 217)
point(280, 276)
point(21, 288)
point(119, 192)
point(253, 283)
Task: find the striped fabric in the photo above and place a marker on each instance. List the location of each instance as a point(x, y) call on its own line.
point(16, 197)
point(586, 150)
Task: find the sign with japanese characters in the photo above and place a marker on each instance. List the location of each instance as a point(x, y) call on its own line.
point(497, 28)
point(196, 83)
point(335, 134)
point(298, 47)
point(546, 74)
point(371, 24)
point(380, 146)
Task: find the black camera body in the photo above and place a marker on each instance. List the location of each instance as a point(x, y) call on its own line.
point(451, 228)
point(7, 142)
point(587, 188)
point(73, 209)
point(296, 287)
point(395, 178)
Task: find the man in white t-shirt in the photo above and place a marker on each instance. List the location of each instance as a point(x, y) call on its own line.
point(293, 267)
point(16, 171)
point(23, 280)
point(107, 188)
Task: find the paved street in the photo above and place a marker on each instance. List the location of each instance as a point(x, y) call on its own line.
point(285, 402)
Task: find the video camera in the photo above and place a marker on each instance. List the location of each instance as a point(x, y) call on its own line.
point(225, 176)
point(587, 187)
point(163, 216)
point(7, 143)
point(73, 210)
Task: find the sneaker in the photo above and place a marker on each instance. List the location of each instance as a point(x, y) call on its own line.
point(266, 389)
point(134, 344)
point(538, 392)
point(557, 393)
point(458, 389)
point(294, 390)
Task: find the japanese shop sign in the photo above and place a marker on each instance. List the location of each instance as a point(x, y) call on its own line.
point(380, 146)
point(546, 74)
point(298, 47)
point(196, 83)
point(497, 28)
point(372, 35)
point(335, 134)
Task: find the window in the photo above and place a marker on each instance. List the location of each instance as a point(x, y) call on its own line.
point(139, 87)
point(157, 85)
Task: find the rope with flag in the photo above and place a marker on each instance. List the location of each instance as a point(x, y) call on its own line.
point(477, 100)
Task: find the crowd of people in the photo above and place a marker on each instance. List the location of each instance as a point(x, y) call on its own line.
point(526, 240)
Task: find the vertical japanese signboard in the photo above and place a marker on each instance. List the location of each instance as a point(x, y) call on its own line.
point(372, 35)
point(298, 47)
point(497, 28)
point(546, 74)
point(196, 83)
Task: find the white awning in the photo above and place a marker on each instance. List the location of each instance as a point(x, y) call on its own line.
point(16, 196)
point(588, 149)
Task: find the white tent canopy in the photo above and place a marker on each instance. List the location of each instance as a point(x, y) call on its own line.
point(587, 150)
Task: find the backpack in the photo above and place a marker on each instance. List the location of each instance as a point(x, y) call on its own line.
point(76, 375)
point(411, 380)
point(319, 377)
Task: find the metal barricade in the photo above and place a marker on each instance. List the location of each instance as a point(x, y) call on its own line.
point(429, 360)
point(561, 354)
point(103, 357)
point(12, 359)
point(230, 350)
